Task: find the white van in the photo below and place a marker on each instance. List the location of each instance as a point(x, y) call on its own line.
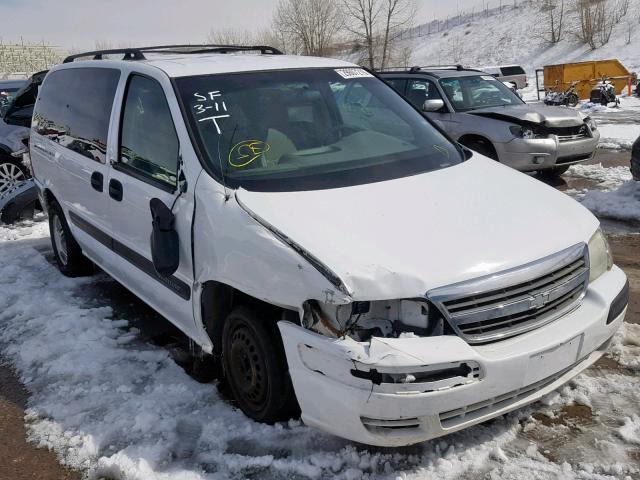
point(513, 74)
point(306, 226)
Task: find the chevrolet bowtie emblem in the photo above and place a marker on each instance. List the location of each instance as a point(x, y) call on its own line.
point(539, 300)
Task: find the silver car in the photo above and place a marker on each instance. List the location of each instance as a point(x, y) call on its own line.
point(483, 114)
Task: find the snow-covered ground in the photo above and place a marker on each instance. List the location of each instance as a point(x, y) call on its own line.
point(118, 407)
point(614, 194)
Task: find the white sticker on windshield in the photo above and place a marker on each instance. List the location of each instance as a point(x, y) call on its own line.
point(352, 73)
point(487, 77)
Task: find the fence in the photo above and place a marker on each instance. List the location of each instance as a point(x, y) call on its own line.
point(488, 9)
point(23, 59)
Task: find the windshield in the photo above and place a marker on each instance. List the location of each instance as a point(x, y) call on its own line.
point(309, 129)
point(482, 91)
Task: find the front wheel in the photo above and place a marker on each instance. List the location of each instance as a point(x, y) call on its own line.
point(572, 100)
point(12, 172)
point(555, 172)
point(256, 368)
point(69, 257)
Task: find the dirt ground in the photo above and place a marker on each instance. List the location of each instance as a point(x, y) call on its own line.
point(21, 460)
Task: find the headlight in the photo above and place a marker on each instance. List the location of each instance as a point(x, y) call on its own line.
point(591, 124)
point(524, 132)
point(600, 258)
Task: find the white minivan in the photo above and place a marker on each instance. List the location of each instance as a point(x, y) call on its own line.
point(313, 232)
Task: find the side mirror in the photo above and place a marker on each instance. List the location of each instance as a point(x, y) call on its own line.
point(432, 105)
point(165, 243)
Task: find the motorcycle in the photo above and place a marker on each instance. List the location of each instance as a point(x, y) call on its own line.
point(569, 97)
point(604, 93)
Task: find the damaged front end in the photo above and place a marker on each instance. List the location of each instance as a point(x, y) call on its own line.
point(379, 337)
point(364, 320)
point(353, 361)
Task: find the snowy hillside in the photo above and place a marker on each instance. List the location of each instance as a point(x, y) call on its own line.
point(516, 36)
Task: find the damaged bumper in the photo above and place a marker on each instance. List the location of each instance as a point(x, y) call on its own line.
point(539, 154)
point(400, 391)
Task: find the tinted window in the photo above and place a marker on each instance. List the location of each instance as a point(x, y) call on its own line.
point(148, 141)
point(509, 71)
point(315, 129)
point(419, 91)
point(398, 84)
point(74, 109)
point(482, 91)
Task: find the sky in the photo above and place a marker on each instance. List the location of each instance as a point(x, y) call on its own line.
point(81, 23)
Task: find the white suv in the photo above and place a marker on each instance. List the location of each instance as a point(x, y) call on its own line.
point(305, 225)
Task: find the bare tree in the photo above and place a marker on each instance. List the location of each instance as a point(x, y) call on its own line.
point(397, 15)
point(363, 20)
point(621, 9)
point(456, 50)
point(555, 11)
point(231, 36)
point(376, 24)
point(588, 17)
point(310, 26)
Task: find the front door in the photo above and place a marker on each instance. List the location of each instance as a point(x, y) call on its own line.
point(145, 167)
point(419, 90)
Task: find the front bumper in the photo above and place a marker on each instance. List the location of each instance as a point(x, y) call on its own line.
point(506, 375)
point(540, 154)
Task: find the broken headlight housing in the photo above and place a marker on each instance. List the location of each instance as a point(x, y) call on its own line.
point(527, 133)
point(600, 258)
point(591, 123)
point(363, 320)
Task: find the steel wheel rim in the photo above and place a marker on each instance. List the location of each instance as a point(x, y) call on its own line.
point(10, 175)
point(248, 369)
point(60, 240)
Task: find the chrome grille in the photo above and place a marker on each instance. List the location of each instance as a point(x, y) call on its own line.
point(572, 138)
point(570, 134)
point(518, 300)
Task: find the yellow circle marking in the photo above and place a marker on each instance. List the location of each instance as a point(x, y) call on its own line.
point(247, 151)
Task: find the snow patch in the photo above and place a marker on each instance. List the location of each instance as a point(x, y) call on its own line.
point(620, 204)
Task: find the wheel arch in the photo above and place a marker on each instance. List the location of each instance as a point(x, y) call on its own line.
point(469, 139)
point(218, 299)
point(4, 150)
point(48, 197)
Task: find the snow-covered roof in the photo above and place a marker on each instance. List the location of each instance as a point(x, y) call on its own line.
point(183, 65)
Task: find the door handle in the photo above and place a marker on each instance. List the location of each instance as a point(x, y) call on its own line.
point(115, 190)
point(97, 181)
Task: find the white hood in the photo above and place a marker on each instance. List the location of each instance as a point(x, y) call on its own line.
point(401, 238)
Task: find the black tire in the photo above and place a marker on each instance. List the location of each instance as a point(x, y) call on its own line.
point(482, 146)
point(555, 172)
point(12, 172)
point(256, 368)
point(69, 257)
point(572, 100)
point(604, 100)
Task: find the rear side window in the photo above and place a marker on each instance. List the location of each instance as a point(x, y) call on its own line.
point(74, 109)
point(398, 84)
point(510, 71)
point(149, 145)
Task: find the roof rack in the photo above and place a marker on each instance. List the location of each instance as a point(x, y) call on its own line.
point(416, 69)
point(137, 53)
